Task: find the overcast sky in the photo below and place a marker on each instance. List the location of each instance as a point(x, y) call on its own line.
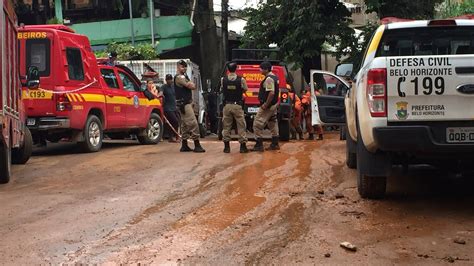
point(235, 4)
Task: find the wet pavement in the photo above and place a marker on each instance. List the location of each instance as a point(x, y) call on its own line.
point(154, 205)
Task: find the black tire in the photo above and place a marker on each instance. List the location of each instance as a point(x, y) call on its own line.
point(369, 186)
point(202, 131)
point(93, 135)
point(284, 129)
point(343, 133)
point(5, 164)
point(219, 129)
point(153, 133)
point(351, 151)
point(23, 154)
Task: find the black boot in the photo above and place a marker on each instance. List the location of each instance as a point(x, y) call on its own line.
point(311, 136)
point(243, 148)
point(198, 147)
point(184, 146)
point(293, 135)
point(301, 135)
point(258, 146)
point(226, 147)
point(320, 137)
point(274, 146)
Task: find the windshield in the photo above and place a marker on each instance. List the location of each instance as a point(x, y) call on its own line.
point(427, 41)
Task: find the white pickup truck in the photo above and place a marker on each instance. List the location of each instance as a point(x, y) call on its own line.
point(412, 101)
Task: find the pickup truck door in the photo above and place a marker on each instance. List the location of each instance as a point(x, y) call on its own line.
point(327, 98)
point(136, 113)
point(114, 99)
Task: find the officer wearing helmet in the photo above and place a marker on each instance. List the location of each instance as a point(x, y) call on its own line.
point(267, 113)
point(184, 101)
point(233, 87)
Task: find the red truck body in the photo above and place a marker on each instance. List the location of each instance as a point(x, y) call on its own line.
point(74, 87)
point(14, 137)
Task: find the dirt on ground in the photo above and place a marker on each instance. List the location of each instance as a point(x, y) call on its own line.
point(154, 205)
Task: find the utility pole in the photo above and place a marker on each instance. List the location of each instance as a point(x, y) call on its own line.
point(131, 21)
point(152, 23)
point(225, 29)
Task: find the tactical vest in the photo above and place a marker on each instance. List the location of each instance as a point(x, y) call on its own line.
point(263, 94)
point(232, 89)
point(182, 93)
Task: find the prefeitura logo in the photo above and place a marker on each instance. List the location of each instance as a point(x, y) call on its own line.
point(402, 110)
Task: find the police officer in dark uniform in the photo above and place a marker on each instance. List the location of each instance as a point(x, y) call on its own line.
point(184, 101)
point(233, 87)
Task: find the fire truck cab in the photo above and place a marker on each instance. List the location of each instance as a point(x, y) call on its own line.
point(79, 99)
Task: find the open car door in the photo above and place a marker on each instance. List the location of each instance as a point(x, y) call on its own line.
point(327, 98)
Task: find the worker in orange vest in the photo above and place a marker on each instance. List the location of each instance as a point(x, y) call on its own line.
point(295, 125)
point(306, 103)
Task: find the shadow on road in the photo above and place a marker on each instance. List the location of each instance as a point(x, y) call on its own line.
point(53, 149)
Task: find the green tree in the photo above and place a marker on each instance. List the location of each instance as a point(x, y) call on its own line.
point(411, 9)
point(449, 9)
point(299, 28)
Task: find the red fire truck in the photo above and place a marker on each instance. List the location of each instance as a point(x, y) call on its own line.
point(81, 100)
point(16, 143)
point(248, 61)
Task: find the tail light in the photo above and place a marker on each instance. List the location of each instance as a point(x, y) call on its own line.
point(377, 92)
point(63, 103)
point(284, 97)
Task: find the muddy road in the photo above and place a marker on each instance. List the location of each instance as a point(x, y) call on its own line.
point(154, 205)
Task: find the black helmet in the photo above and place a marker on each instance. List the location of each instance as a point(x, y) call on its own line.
point(113, 54)
point(182, 63)
point(169, 77)
point(266, 66)
point(232, 66)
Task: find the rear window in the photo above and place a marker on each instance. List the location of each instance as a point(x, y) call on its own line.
point(74, 61)
point(427, 41)
point(110, 78)
point(38, 55)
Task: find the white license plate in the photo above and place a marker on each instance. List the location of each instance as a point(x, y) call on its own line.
point(460, 134)
point(253, 110)
point(30, 122)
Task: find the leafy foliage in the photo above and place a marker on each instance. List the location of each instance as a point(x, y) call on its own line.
point(126, 51)
point(299, 27)
point(447, 9)
point(411, 9)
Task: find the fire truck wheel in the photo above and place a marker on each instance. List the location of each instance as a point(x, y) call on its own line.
point(23, 154)
point(284, 128)
point(93, 134)
point(153, 132)
point(5, 164)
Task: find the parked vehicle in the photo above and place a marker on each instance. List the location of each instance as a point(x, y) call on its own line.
point(79, 99)
point(248, 61)
point(412, 101)
point(168, 66)
point(15, 140)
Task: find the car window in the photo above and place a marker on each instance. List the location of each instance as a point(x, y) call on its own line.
point(427, 41)
point(110, 78)
point(128, 83)
point(38, 55)
point(74, 62)
point(327, 84)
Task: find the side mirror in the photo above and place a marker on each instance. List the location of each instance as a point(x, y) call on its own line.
point(33, 78)
point(344, 70)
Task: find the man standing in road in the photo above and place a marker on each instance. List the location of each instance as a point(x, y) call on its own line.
point(184, 100)
point(267, 113)
point(233, 87)
point(169, 107)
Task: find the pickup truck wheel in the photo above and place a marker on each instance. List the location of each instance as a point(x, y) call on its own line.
point(23, 154)
point(93, 134)
point(5, 164)
point(284, 129)
point(351, 152)
point(369, 186)
point(153, 132)
point(219, 129)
